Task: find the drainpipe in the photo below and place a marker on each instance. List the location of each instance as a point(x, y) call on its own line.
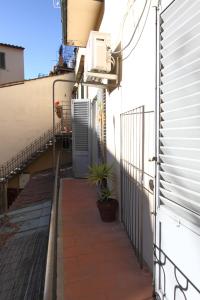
point(53, 117)
point(156, 6)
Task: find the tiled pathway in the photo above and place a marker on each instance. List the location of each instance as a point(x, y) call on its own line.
point(98, 260)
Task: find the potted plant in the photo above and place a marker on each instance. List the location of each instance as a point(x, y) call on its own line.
point(99, 175)
point(58, 109)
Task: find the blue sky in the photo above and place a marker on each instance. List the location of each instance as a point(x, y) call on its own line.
point(35, 25)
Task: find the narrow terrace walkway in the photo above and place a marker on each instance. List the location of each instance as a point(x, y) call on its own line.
point(98, 261)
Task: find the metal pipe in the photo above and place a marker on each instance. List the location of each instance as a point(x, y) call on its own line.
point(50, 272)
point(136, 184)
point(129, 180)
point(53, 117)
point(121, 172)
point(156, 138)
point(134, 180)
point(142, 189)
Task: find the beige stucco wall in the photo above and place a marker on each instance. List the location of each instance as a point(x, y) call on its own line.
point(26, 112)
point(14, 60)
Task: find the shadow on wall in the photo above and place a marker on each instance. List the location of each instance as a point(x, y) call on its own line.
point(135, 206)
point(134, 200)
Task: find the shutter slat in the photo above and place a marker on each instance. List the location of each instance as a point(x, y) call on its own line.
point(180, 142)
point(186, 183)
point(80, 137)
point(181, 23)
point(181, 152)
point(180, 161)
point(182, 122)
point(180, 171)
point(177, 14)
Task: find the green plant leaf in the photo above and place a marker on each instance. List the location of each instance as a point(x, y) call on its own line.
point(98, 173)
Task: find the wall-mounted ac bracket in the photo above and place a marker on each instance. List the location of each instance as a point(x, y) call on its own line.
point(97, 79)
point(99, 85)
point(96, 75)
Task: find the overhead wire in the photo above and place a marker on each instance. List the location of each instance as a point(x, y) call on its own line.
point(125, 16)
point(135, 29)
point(140, 35)
point(113, 60)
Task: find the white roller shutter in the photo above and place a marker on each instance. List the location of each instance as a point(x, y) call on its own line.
point(81, 137)
point(179, 137)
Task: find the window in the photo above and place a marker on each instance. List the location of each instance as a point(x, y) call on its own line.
point(2, 60)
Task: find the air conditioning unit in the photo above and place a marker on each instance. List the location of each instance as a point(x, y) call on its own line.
point(98, 53)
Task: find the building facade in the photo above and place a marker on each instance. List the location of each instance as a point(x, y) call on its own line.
point(11, 63)
point(152, 133)
point(26, 111)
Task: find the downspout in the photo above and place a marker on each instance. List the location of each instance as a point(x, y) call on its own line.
point(53, 117)
point(156, 6)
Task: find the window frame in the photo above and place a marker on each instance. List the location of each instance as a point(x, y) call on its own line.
point(2, 60)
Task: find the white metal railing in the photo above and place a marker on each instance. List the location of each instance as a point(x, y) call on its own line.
point(18, 162)
point(50, 285)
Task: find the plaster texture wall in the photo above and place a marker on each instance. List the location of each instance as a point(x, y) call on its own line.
point(137, 87)
point(26, 111)
point(177, 235)
point(14, 65)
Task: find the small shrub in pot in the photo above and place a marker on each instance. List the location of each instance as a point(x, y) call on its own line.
point(99, 175)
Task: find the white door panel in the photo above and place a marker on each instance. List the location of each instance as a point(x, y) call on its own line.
point(177, 238)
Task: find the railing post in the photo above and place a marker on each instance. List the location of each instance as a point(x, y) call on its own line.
point(3, 197)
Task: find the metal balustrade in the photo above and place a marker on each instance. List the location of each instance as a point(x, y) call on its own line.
point(17, 163)
point(182, 284)
point(50, 284)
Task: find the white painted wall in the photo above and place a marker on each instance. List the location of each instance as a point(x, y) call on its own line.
point(180, 237)
point(137, 87)
point(14, 60)
point(26, 111)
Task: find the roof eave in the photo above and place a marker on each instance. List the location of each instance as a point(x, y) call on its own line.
point(79, 18)
point(12, 46)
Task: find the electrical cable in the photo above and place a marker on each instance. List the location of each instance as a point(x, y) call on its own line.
point(140, 33)
point(113, 61)
point(160, 4)
point(127, 45)
point(125, 16)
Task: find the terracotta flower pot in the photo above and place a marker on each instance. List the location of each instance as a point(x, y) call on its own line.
point(108, 210)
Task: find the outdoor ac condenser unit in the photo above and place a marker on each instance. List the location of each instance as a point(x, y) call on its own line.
point(98, 53)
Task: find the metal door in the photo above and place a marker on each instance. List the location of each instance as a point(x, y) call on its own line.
point(81, 133)
point(137, 180)
point(132, 170)
point(177, 239)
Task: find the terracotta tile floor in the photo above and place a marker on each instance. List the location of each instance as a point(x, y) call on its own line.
point(98, 260)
